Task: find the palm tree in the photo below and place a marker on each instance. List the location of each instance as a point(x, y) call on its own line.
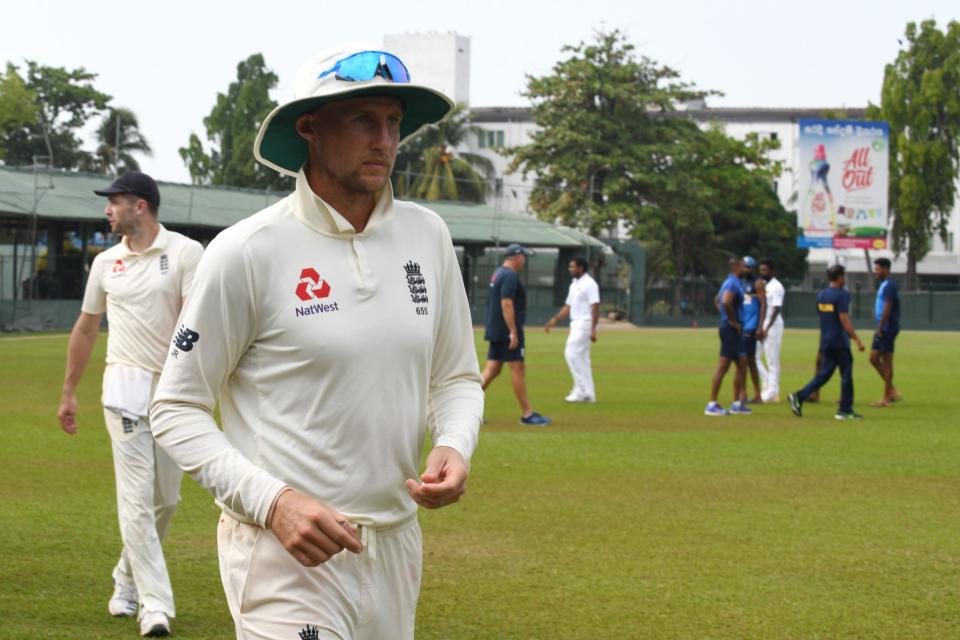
point(430, 167)
point(118, 137)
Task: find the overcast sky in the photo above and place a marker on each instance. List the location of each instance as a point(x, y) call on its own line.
point(167, 60)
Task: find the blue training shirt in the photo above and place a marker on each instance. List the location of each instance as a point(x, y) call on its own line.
point(831, 302)
point(888, 292)
point(751, 304)
point(732, 284)
point(505, 283)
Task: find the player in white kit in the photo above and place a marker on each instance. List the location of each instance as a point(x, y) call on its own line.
point(583, 307)
point(140, 283)
point(771, 334)
point(334, 329)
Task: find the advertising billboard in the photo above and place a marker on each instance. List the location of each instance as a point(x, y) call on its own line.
point(843, 171)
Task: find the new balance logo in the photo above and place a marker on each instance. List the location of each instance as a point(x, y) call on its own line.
point(185, 338)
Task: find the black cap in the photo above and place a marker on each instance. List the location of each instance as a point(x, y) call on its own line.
point(516, 249)
point(134, 183)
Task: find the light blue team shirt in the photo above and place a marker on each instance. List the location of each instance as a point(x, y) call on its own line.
point(732, 284)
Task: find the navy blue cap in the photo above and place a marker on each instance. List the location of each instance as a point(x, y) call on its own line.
point(516, 249)
point(750, 262)
point(135, 183)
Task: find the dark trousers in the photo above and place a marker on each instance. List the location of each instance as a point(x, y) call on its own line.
point(833, 357)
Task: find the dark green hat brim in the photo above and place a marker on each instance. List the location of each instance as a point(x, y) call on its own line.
point(280, 147)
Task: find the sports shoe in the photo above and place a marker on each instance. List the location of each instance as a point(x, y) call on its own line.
point(123, 602)
point(535, 419)
point(576, 397)
point(740, 409)
point(154, 624)
point(796, 404)
point(714, 409)
point(847, 415)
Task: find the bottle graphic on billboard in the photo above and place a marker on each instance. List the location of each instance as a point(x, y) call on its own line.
point(819, 211)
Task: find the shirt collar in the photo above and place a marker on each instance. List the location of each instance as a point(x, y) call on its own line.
point(159, 243)
point(319, 215)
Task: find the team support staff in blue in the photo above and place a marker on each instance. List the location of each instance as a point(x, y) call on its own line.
point(754, 308)
point(729, 302)
point(887, 313)
point(836, 331)
point(506, 311)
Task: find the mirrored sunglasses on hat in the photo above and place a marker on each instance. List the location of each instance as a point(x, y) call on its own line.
point(367, 65)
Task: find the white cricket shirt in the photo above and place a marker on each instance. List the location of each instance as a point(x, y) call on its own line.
point(775, 294)
point(141, 294)
point(332, 353)
point(583, 293)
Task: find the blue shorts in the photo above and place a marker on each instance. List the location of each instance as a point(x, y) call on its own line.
point(500, 351)
point(729, 342)
point(748, 343)
point(884, 343)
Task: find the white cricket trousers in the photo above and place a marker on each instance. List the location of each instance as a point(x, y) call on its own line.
point(577, 353)
point(148, 489)
point(770, 370)
point(371, 595)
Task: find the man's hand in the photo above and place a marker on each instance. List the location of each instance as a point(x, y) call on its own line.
point(551, 323)
point(735, 325)
point(860, 345)
point(442, 482)
point(67, 413)
point(514, 341)
point(593, 335)
point(309, 530)
point(761, 334)
point(879, 332)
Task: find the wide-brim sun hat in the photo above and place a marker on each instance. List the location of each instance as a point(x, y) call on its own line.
point(280, 147)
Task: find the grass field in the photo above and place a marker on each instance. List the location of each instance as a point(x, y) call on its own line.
point(637, 517)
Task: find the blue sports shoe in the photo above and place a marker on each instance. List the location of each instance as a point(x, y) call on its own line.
point(535, 419)
point(740, 409)
point(714, 409)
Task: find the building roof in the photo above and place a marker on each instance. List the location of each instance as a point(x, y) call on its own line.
point(722, 114)
point(61, 195)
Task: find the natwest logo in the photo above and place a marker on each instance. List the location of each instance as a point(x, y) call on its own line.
point(118, 266)
point(311, 287)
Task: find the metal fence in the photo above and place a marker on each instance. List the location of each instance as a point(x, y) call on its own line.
point(691, 303)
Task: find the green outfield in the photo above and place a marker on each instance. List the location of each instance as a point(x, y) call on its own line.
point(637, 517)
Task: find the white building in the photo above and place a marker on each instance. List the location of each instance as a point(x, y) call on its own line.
point(439, 60)
point(505, 127)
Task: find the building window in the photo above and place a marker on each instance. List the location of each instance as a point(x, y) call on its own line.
point(950, 242)
point(773, 135)
point(490, 139)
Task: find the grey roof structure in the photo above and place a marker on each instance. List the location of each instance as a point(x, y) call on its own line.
point(708, 114)
point(68, 196)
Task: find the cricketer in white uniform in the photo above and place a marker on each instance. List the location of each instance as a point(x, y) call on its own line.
point(583, 307)
point(772, 335)
point(140, 283)
point(334, 329)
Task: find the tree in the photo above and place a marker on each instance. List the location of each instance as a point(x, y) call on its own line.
point(429, 167)
point(231, 130)
point(17, 104)
point(65, 101)
point(920, 100)
point(613, 147)
point(118, 137)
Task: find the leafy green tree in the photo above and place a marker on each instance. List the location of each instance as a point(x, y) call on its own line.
point(118, 138)
point(17, 104)
point(65, 101)
point(920, 100)
point(612, 147)
point(429, 167)
point(231, 130)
